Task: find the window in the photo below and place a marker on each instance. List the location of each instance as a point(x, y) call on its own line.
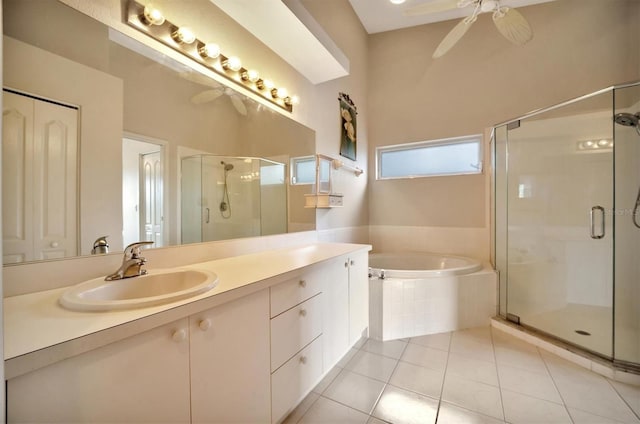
point(303, 170)
point(451, 156)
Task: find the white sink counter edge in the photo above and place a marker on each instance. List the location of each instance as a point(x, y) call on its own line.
point(38, 331)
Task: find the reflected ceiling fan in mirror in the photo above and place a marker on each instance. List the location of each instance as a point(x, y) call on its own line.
point(509, 22)
point(214, 92)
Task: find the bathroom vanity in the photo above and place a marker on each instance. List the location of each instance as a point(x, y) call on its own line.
point(249, 350)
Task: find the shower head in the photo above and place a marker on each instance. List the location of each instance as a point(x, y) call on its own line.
point(227, 166)
point(627, 119)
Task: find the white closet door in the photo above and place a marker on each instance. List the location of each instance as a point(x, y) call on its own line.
point(55, 180)
point(17, 178)
point(39, 169)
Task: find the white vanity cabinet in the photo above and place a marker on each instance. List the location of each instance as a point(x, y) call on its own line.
point(144, 378)
point(358, 267)
point(230, 370)
point(296, 339)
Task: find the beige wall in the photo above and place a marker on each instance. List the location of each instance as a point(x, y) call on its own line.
point(579, 46)
point(341, 23)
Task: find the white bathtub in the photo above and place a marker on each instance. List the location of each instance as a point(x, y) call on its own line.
point(414, 294)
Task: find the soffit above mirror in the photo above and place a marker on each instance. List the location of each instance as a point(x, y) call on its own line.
point(292, 33)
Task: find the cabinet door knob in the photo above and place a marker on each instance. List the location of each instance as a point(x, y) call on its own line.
point(303, 360)
point(303, 283)
point(303, 312)
point(204, 324)
point(54, 244)
point(352, 263)
point(346, 264)
point(179, 335)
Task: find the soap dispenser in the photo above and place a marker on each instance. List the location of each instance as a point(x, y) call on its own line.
point(100, 246)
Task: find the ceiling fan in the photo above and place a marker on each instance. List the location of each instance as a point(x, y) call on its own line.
point(511, 24)
point(214, 92)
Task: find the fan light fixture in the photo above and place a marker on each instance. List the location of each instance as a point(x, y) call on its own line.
point(152, 22)
point(509, 22)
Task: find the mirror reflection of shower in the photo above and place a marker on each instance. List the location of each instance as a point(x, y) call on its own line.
point(225, 204)
point(631, 120)
point(253, 188)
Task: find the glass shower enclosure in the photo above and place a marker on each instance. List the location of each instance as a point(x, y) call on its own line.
point(224, 197)
point(566, 186)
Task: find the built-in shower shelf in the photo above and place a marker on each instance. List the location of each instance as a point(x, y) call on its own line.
point(321, 201)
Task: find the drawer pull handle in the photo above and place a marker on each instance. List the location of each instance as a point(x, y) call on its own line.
point(204, 324)
point(303, 283)
point(303, 360)
point(303, 312)
point(179, 335)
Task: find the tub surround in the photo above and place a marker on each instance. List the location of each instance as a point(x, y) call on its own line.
point(411, 301)
point(38, 331)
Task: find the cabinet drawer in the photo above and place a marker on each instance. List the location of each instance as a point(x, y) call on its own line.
point(295, 291)
point(295, 379)
point(294, 329)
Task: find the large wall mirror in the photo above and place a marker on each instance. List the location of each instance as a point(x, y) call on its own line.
point(104, 136)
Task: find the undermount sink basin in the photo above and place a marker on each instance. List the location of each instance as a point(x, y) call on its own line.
point(155, 288)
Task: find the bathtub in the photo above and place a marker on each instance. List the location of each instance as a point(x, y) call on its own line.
point(414, 294)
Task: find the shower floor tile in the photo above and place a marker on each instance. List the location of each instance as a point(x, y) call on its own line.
point(450, 385)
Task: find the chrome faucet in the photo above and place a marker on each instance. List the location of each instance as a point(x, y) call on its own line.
point(131, 262)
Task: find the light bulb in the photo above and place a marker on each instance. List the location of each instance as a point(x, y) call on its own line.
point(184, 35)
point(588, 143)
point(233, 63)
point(209, 50)
point(295, 100)
point(397, 1)
point(268, 84)
point(603, 143)
point(250, 75)
point(152, 16)
point(282, 93)
point(253, 75)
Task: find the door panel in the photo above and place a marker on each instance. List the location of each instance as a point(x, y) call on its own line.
point(560, 243)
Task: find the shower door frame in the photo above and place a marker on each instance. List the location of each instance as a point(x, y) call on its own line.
point(495, 239)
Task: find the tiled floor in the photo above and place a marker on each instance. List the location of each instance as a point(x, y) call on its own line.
point(481, 375)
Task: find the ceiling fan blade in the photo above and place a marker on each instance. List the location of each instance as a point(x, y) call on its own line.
point(434, 6)
point(206, 96)
point(200, 79)
point(512, 25)
point(239, 105)
point(453, 37)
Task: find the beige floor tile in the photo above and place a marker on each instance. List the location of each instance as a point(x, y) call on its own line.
point(519, 408)
point(327, 411)
point(439, 341)
point(469, 394)
point(392, 349)
point(473, 369)
point(630, 394)
point(327, 380)
point(528, 383)
point(425, 357)
point(403, 407)
point(372, 365)
point(451, 414)
point(518, 357)
point(301, 409)
point(355, 390)
point(582, 417)
point(418, 379)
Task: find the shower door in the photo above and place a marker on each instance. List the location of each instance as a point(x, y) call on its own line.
point(559, 202)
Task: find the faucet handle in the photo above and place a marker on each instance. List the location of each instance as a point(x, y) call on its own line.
point(133, 250)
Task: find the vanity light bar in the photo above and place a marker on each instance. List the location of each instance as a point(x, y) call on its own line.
point(154, 24)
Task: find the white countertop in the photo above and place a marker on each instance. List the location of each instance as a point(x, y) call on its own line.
point(38, 331)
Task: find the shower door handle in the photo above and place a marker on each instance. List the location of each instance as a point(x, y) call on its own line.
point(593, 222)
point(208, 218)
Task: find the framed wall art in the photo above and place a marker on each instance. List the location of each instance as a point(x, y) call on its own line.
point(348, 114)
